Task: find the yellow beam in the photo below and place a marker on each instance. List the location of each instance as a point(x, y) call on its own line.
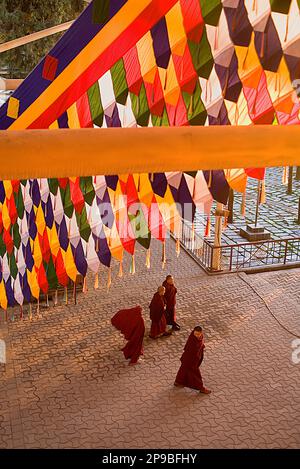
point(83, 152)
point(5, 46)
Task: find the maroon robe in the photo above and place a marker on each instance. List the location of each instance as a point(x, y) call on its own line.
point(131, 323)
point(189, 373)
point(157, 316)
point(170, 297)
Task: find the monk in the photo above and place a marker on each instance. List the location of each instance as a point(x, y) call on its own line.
point(189, 373)
point(157, 315)
point(130, 322)
point(170, 298)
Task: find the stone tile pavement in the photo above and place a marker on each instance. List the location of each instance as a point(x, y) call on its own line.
point(277, 215)
point(67, 385)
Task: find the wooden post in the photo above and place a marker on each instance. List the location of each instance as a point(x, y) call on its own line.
point(216, 260)
point(230, 205)
point(297, 177)
point(257, 200)
point(298, 219)
point(74, 293)
point(290, 181)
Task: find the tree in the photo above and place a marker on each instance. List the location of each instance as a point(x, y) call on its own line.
point(21, 17)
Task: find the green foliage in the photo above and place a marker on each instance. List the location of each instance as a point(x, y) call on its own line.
point(21, 17)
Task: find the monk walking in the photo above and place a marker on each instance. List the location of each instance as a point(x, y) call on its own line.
point(170, 297)
point(189, 373)
point(157, 315)
point(130, 322)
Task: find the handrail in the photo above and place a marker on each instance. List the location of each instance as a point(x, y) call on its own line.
point(21, 41)
point(278, 253)
point(9, 84)
point(265, 241)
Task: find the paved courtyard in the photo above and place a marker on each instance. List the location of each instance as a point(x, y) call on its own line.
point(67, 384)
point(277, 214)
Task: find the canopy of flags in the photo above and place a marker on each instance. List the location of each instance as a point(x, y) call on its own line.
point(52, 230)
point(167, 62)
point(149, 63)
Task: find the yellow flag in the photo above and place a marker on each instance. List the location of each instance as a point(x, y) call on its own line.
point(3, 297)
point(70, 264)
point(33, 283)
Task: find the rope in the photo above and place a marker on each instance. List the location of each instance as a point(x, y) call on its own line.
point(268, 308)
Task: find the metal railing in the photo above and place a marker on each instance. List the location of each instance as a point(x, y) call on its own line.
point(270, 254)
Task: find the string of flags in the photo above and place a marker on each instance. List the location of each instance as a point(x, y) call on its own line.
point(53, 230)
